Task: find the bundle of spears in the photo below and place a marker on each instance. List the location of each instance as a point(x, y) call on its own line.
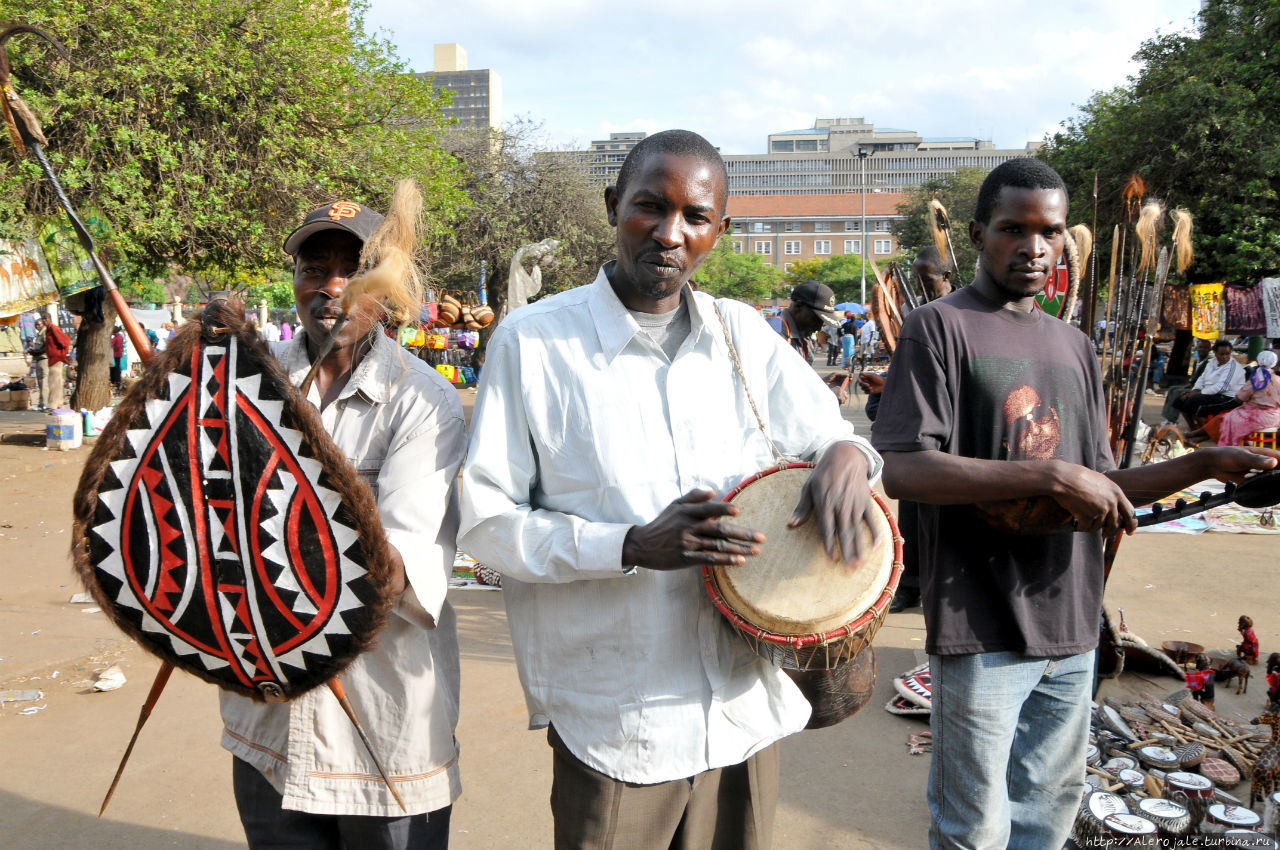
point(1139, 272)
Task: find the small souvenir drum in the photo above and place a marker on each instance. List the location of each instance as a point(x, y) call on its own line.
point(1156, 756)
point(791, 602)
point(1191, 790)
point(1221, 771)
point(1134, 780)
point(1123, 830)
point(1190, 754)
point(1115, 764)
point(1092, 755)
point(1271, 813)
point(1220, 817)
point(1173, 820)
point(1093, 811)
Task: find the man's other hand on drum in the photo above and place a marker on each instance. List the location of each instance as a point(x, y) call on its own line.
point(691, 532)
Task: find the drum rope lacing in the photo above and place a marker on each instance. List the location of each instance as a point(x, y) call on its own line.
point(737, 365)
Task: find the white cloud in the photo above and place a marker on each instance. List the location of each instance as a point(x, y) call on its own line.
point(736, 71)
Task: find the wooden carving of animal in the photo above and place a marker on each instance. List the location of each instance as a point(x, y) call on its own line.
point(1226, 669)
point(1266, 770)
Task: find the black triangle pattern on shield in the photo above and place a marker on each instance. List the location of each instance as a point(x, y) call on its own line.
point(220, 537)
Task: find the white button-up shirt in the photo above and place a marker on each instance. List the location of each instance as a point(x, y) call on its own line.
point(1221, 378)
point(582, 429)
point(401, 425)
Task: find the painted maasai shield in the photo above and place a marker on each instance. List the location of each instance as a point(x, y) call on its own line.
point(221, 527)
point(1056, 288)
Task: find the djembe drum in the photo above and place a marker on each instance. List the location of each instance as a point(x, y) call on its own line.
point(814, 618)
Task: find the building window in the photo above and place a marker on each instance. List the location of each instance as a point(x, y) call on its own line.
point(761, 227)
point(806, 144)
point(884, 246)
point(789, 247)
point(737, 227)
point(792, 227)
point(737, 246)
point(850, 226)
point(822, 246)
point(786, 267)
point(763, 246)
point(882, 226)
point(853, 246)
point(822, 227)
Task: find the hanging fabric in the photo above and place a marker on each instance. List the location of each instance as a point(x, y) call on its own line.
point(1244, 314)
point(1206, 310)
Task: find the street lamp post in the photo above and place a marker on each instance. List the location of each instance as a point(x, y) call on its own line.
point(862, 160)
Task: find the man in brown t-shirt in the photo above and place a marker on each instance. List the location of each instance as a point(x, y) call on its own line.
point(990, 399)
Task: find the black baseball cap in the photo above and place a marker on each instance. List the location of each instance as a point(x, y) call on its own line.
point(817, 296)
point(356, 219)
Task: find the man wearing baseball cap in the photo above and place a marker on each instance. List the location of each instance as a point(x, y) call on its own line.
point(812, 305)
point(301, 775)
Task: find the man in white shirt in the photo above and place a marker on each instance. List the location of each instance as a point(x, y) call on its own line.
point(302, 777)
point(271, 331)
point(598, 408)
point(1215, 390)
point(868, 337)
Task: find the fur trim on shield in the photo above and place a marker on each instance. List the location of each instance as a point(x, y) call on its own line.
point(360, 506)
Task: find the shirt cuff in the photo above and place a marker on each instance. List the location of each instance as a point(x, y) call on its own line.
point(600, 550)
point(426, 580)
point(875, 463)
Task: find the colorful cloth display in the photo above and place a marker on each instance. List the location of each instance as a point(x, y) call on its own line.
point(1244, 310)
point(25, 282)
point(1207, 321)
point(1175, 312)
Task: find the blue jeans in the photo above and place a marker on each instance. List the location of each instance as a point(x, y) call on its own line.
point(1009, 735)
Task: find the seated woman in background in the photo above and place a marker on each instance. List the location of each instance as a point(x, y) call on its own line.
point(1261, 408)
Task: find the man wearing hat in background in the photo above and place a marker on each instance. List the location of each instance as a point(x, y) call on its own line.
point(302, 777)
point(813, 304)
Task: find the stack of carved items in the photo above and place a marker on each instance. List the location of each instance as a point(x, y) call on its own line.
point(1163, 772)
point(453, 313)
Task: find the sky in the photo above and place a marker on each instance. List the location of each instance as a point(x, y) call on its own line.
point(1005, 70)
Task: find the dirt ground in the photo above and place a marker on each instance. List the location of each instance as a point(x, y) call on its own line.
point(853, 786)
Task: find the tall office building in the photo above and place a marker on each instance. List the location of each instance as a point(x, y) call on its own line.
point(823, 159)
point(477, 95)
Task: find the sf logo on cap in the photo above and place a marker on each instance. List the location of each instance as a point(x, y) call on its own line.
point(343, 209)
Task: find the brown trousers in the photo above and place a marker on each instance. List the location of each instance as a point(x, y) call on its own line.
point(729, 808)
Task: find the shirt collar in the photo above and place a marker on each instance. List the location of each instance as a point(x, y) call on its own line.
point(374, 373)
point(614, 323)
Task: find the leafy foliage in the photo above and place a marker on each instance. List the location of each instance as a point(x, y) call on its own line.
point(959, 194)
point(202, 130)
point(1197, 122)
point(842, 272)
point(746, 277)
point(513, 197)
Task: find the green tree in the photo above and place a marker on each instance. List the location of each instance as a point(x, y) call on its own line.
point(1197, 123)
point(202, 130)
point(842, 272)
point(959, 194)
point(745, 277)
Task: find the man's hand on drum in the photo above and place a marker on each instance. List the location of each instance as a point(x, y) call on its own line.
point(839, 495)
point(690, 532)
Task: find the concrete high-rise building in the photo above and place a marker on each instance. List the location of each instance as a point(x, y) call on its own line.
point(477, 95)
point(825, 159)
